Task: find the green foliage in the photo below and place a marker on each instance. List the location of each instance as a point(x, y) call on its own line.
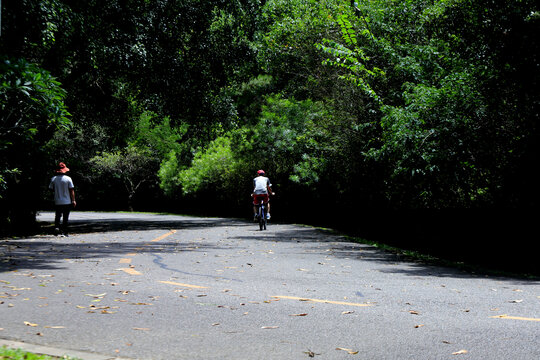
point(351, 57)
point(153, 143)
point(31, 102)
point(168, 174)
point(286, 47)
point(286, 142)
point(431, 143)
point(401, 103)
point(133, 166)
point(283, 139)
point(437, 122)
point(158, 136)
point(211, 168)
point(31, 109)
point(18, 354)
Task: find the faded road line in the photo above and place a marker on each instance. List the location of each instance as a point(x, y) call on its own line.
point(164, 236)
point(514, 318)
point(130, 271)
point(128, 259)
point(320, 301)
point(183, 285)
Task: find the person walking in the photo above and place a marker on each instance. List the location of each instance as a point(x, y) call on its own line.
point(64, 198)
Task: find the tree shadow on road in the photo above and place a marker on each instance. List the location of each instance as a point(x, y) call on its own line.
point(134, 222)
point(50, 252)
point(46, 251)
point(386, 259)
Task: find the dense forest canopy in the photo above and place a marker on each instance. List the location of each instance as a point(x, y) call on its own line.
point(173, 104)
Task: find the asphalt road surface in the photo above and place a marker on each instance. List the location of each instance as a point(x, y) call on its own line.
point(146, 286)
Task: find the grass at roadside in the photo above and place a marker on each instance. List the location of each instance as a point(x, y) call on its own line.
point(17, 354)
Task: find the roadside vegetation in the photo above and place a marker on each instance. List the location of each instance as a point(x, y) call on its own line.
point(419, 114)
point(18, 354)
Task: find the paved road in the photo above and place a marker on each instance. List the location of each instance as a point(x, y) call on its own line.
point(171, 287)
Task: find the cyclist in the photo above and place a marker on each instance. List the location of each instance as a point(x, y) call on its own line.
point(261, 190)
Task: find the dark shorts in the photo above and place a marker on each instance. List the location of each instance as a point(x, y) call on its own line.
point(258, 197)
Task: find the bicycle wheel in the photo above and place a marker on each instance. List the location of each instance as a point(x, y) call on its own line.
point(262, 218)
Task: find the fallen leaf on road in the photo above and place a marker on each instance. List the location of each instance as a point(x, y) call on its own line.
point(269, 327)
point(310, 353)
point(515, 301)
point(107, 312)
point(30, 324)
point(350, 351)
point(303, 314)
point(347, 312)
point(140, 303)
point(96, 296)
point(460, 352)
point(54, 327)
point(418, 326)
point(39, 334)
point(141, 329)
point(414, 312)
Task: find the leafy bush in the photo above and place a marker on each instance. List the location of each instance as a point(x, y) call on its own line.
point(31, 109)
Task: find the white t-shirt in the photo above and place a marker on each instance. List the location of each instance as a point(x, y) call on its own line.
point(61, 185)
point(260, 183)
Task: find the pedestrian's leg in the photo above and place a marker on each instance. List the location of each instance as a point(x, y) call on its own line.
point(65, 215)
point(57, 216)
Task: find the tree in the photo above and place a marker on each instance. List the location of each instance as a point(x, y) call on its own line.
point(31, 109)
point(132, 166)
point(437, 122)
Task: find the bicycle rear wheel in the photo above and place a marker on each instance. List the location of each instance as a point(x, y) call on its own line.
point(262, 217)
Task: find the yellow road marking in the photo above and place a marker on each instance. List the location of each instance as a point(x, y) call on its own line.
point(320, 301)
point(184, 285)
point(164, 236)
point(128, 260)
point(130, 271)
point(514, 318)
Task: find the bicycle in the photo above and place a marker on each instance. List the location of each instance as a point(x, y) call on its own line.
point(261, 214)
